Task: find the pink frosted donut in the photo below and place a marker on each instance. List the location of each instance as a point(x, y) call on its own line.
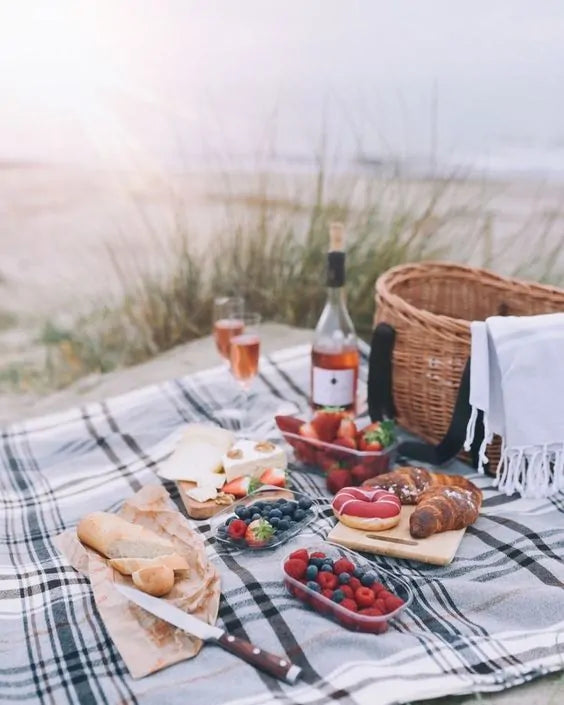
point(367, 508)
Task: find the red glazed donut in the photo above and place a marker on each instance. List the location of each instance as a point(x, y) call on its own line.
point(366, 508)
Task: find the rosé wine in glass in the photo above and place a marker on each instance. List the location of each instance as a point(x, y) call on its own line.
point(245, 350)
point(223, 331)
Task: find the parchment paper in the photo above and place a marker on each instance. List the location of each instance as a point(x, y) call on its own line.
point(146, 643)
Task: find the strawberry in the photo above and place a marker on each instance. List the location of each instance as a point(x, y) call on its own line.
point(347, 429)
point(325, 461)
point(308, 431)
point(327, 580)
point(326, 423)
point(240, 486)
point(359, 474)
point(377, 436)
point(288, 424)
point(346, 442)
point(349, 604)
point(237, 529)
point(343, 565)
point(337, 479)
point(364, 597)
point(294, 567)
point(259, 533)
point(301, 554)
point(273, 476)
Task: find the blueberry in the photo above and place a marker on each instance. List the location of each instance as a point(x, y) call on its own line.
point(242, 512)
point(344, 578)
point(256, 516)
point(312, 585)
point(317, 562)
point(247, 521)
point(359, 572)
point(326, 567)
point(284, 524)
point(275, 513)
point(311, 572)
point(368, 578)
point(299, 515)
point(304, 503)
point(288, 508)
point(274, 521)
point(280, 502)
point(338, 596)
point(222, 531)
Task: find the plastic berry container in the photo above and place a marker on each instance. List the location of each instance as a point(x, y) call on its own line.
point(318, 456)
point(269, 497)
point(327, 607)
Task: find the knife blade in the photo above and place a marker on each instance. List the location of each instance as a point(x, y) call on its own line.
point(278, 666)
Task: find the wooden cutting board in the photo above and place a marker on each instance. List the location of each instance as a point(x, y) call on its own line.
point(438, 549)
point(194, 509)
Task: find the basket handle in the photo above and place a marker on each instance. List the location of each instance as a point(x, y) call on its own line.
point(381, 405)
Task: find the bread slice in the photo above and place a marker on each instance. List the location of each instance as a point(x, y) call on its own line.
point(128, 566)
point(115, 537)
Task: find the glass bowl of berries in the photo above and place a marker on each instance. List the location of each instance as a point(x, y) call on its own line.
point(342, 448)
point(345, 587)
point(264, 519)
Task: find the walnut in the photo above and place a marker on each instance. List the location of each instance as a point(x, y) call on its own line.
point(265, 447)
point(235, 453)
point(224, 498)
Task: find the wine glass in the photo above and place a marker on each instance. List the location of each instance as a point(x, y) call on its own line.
point(227, 322)
point(244, 352)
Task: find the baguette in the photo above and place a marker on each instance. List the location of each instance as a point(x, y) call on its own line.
point(154, 580)
point(115, 537)
point(128, 566)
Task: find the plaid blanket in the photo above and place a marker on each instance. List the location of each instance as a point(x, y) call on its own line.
point(492, 619)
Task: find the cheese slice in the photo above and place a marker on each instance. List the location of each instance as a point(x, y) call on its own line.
point(248, 457)
point(198, 456)
point(202, 494)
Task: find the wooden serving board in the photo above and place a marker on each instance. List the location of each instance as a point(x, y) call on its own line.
point(438, 549)
point(194, 509)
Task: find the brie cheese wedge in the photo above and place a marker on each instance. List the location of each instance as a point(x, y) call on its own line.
point(198, 456)
point(247, 457)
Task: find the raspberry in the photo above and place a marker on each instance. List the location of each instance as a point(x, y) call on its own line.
point(364, 597)
point(380, 605)
point(301, 554)
point(347, 589)
point(393, 602)
point(327, 593)
point(237, 529)
point(328, 581)
point(349, 604)
point(355, 584)
point(377, 587)
point(343, 565)
point(295, 568)
point(318, 554)
point(374, 626)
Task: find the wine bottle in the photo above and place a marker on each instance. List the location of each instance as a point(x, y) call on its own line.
point(334, 354)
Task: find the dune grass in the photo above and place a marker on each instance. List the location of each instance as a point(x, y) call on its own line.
point(271, 250)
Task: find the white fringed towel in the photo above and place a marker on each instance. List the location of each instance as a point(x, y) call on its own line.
point(517, 380)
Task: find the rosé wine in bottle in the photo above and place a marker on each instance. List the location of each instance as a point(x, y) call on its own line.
point(223, 331)
point(334, 354)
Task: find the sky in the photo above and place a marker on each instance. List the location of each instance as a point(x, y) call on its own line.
point(139, 81)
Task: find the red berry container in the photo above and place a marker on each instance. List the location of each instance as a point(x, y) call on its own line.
point(372, 624)
point(318, 456)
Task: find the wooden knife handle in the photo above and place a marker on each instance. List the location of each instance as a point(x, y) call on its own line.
point(278, 666)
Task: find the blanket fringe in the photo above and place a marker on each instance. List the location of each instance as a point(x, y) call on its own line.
point(534, 471)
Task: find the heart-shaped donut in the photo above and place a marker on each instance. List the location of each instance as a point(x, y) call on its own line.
point(366, 508)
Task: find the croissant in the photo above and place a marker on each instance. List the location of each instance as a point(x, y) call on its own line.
point(443, 509)
point(444, 502)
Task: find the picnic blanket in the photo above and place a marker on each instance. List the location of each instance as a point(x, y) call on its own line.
point(492, 619)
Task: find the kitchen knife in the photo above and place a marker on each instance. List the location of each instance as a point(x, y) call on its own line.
point(279, 667)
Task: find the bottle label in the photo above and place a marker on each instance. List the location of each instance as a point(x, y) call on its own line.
point(333, 387)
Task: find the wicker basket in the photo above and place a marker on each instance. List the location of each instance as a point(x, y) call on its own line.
point(430, 306)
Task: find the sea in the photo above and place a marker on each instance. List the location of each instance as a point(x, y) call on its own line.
point(422, 87)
